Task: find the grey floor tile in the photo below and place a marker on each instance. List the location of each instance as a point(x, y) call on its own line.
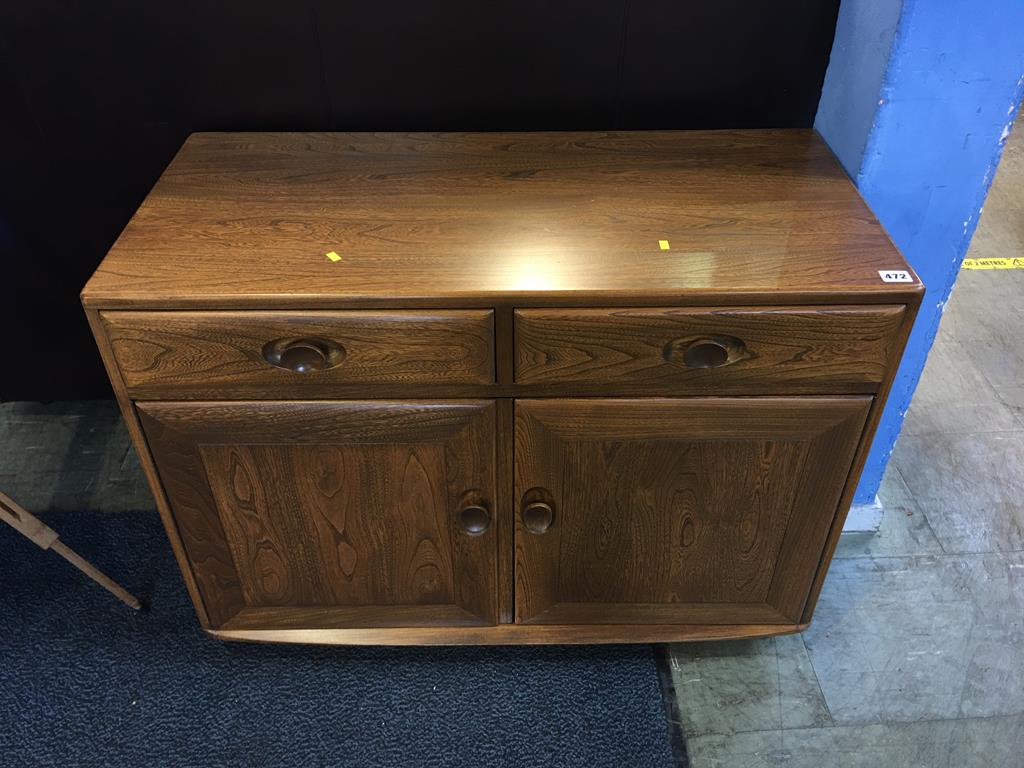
point(994, 677)
point(920, 638)
point(918, 745)
point(904, 529)
point(949, 378)
point(996, 742)
point(969, 487)
point(955, 397)
point(727, 687)
point(753, 685)
point(960, 418)
point(759, 749)
point(999, 359)
point(69, 456)
point(801, 701)
point(936, 744)
point(1013, 398)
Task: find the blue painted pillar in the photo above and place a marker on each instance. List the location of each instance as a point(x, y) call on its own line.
point(917, 103)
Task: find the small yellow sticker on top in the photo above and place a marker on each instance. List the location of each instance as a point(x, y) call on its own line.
point(663, 244)
point(333, 256)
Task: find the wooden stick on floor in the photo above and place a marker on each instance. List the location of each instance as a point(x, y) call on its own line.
point(37, 531)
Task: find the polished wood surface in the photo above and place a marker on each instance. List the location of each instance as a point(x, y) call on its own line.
point(674, 511)
point(346, 508)
point(221, 354)
point(763, 349)
point(246, 220)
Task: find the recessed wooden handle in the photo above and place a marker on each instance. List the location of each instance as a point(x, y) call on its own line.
point(538, 516)
point(474, 519)
point(303, 355)
point(707, 352)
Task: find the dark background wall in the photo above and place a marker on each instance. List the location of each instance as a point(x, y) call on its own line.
point(96, 97)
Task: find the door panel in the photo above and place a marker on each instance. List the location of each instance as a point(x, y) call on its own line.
point(313, 514)
point(709, 510)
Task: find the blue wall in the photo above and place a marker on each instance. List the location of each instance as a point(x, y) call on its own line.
point(953, 79)
point(849, 96)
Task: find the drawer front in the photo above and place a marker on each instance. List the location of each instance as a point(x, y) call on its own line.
point(723, 350)
point(285, 354)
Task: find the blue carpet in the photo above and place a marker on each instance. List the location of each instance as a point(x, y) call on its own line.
point(85, 681)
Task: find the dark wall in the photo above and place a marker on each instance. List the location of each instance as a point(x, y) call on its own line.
point(97, 96)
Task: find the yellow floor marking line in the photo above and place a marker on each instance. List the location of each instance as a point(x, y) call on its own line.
point(1016, 262)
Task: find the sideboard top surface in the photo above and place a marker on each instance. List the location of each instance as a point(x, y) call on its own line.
point(433, 219)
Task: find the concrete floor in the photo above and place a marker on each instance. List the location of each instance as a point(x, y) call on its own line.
point(916, 653)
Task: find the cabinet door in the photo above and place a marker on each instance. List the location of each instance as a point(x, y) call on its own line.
point(658, 511)
point(333, 514)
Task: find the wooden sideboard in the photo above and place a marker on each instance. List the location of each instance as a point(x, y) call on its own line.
point(502, 388)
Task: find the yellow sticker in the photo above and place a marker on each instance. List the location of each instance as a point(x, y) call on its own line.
point(1012, 263)
point(663, 244)
point(333, 256)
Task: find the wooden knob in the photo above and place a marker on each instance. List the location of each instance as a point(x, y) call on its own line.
point(538, 516)
point(303, 355)
point(474, 519)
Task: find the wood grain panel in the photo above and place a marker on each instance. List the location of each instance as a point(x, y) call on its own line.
point(782, 349)
point(335, 510)
point(244, 220)
point(679, 511)
point(220, 354)
point(351, 544)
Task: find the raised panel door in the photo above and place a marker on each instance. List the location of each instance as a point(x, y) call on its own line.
point(662, 511)
point(333, 514)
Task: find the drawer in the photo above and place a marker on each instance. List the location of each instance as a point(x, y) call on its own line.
point(290, 354)
point(722, 350)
